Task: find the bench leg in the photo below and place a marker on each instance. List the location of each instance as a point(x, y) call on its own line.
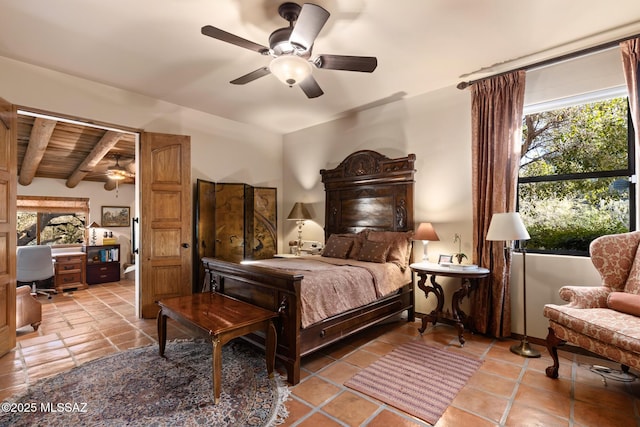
point(553, 342)
point(270, 348)
point(162, 332)
point(217, 368)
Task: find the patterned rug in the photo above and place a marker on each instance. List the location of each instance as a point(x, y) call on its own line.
point(139, 388)
point(416, 378)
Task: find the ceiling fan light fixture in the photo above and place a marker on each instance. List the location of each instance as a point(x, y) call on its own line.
point(290, 69)
point(117, 175)
point(117, 172)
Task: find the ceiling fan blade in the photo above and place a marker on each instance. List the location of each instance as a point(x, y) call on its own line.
point(365, 64)
point(310, 21)
point(131, 167)
point(310, 87)
point(222, 35)
point(260, 72)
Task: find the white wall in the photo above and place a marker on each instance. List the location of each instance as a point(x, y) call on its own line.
point(221, 150)
point(436, 127)
point(546, 274)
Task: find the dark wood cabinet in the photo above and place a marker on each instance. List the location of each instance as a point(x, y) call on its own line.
point(103, 263)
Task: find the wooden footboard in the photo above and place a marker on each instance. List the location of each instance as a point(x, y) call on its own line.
point(279, 291)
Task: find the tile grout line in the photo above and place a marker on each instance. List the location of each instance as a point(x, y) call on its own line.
point(122, 317)
point(514, 393)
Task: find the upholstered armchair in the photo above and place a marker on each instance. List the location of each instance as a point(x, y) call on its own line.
point(28, 308)
point(603, 319)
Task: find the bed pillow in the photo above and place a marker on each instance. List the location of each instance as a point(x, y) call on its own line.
point(337, 247)
point(374, 251)
point(358, 239)
point(624, 302)
point(400, 245)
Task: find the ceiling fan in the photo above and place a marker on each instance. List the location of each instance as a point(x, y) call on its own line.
point(291, 49)
point(117, 172)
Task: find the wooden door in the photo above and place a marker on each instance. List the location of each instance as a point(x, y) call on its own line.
point(205, 232)
point(8, 183)
point(165, 215)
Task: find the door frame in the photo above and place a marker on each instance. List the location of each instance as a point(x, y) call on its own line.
point(106, 126)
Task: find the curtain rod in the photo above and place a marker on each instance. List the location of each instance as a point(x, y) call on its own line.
point(550, 61)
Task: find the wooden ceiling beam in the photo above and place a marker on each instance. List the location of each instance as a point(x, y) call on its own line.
point(108, 141)
point(41, 132)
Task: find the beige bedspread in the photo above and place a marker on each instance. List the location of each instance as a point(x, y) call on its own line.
point(331, 285)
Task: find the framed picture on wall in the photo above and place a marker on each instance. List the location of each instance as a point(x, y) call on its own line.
point(115, 216)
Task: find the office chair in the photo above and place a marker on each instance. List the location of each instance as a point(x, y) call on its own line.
point(35, 264)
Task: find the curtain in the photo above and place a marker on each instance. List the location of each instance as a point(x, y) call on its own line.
point(496, 109)
point(630, 50)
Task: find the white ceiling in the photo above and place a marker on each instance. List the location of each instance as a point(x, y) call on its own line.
point(155, 48)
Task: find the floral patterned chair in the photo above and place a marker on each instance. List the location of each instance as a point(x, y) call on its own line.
point(604, 319)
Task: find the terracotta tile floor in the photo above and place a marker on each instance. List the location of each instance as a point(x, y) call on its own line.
point(507, 390)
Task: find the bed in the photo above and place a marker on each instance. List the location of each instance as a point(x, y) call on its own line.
point(369, 200)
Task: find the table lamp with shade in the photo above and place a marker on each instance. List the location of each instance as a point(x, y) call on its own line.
point(426, 233)
point(508, 227)
point(299, 213)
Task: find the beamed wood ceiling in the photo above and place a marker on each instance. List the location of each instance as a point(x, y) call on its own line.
point(72, 152)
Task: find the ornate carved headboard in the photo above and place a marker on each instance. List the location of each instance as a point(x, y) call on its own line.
point(369, 190)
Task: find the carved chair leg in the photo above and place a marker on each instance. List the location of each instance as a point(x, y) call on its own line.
point(553, 342)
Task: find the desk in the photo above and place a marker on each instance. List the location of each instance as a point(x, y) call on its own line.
point(457, 317)
point(219, 318)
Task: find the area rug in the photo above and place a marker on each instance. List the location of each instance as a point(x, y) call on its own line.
point(416, 378)
point(139, 388)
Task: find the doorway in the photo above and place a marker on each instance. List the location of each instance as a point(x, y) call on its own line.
point(72, 157)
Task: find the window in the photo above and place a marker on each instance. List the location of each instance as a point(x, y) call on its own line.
point(575, 179)
point(51, 220)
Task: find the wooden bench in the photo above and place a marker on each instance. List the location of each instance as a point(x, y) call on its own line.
point(219, 318)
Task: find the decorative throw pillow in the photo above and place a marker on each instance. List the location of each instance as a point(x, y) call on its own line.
point(358, 239)
point(374, 251)
point(624, 302)
point(337, 247)
point(400, 245)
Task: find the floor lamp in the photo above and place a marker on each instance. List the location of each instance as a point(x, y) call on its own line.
point(509, 227)
point(426, 233)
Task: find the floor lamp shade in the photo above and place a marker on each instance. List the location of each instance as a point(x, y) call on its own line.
point(426, 233)
point(509, 227)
